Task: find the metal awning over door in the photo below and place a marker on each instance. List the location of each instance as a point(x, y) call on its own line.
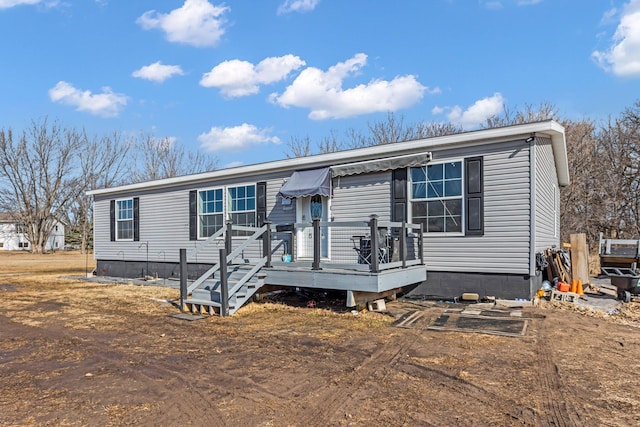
point(383, 164)
point(307, 183)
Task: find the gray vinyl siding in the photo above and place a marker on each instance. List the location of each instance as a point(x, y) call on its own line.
point(504, 247)
point(164, 224)
point(356, 198)
point(547, 212)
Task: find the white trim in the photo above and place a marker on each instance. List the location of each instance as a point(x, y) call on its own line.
point(124, 199)
point(532, 208)
point(411, 199)
point(198, 213)
point(481, 137)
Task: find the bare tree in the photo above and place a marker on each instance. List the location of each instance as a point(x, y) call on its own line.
point(101, 163)
point(583, 204)
point(529, 114)
point(299, 147)
point(391, 130)
point(38, 181)
point(164, 158)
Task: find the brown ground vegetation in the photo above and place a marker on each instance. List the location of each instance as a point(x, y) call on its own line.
point(75, 352)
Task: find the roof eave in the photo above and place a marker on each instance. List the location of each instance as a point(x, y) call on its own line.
point(485, 136)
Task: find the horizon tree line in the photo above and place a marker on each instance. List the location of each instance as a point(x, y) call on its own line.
point(46, 170)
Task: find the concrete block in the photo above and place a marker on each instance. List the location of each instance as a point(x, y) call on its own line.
point(377, 305)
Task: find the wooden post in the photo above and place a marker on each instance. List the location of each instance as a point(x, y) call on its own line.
point(403, 244)
point(183, 277)
point(228, 242)
point(316, 244)
point(579, 257)
point(224, 284)
point(266, 243)
point(375, 244)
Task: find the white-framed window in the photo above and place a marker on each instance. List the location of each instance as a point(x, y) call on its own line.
point(210, 211)
point(23, 245)
point(242, 206)
point(436, 197)
point(124, 219)
point(236, 203)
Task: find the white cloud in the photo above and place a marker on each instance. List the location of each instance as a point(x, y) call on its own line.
point(105, 104)
point(241, 78)
point(528, 2)
point(235, 138)
point(6, 4)
point(297, 6)
point(158, 72)
point(197, 23)
point(623, 56)
point(233, 164)
point(476, 114)
point(322, 92)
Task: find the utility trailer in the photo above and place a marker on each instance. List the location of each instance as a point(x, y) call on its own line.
point(618, 253)
point(625, 280)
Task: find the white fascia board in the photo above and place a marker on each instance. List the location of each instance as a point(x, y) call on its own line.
point(478, 137)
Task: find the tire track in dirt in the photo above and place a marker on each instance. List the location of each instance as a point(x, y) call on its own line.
point(159, 380)
point(332, 398)
point(189, 401)
point(468, 390)
point(559, 411)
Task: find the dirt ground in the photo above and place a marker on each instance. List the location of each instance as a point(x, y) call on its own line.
point(74, 352)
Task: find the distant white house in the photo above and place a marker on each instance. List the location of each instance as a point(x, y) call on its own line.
point(13, 237)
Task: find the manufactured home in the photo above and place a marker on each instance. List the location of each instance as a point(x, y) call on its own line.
point(14, 238)
point(435, 217)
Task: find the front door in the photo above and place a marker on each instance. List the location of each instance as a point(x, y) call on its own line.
point(308, 208)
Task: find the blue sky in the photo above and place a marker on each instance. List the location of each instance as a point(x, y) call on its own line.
point(239, 79)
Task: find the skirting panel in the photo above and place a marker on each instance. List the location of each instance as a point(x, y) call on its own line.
point(140, 269)
point(449, 285)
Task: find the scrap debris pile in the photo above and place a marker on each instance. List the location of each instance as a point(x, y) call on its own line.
point(558, 284)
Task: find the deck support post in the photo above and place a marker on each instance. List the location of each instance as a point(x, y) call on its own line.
point(375, 244)
point(266, 243)
point(183, 277)
point(316, 244)
point(351, 299)
point(403, 244)
point(224, 284)
point(228, 243)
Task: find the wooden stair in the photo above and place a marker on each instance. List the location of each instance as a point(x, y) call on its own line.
point(243, 282)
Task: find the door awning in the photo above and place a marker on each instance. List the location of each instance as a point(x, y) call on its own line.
point(379, 165)
point(307, 183)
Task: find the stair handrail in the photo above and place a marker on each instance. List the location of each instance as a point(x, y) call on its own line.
point(203, 244)
point(200, 280)
point(247, 276)
point(255, 236)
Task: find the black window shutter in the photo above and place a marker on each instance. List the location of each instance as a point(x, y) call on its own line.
point(112, 219)
point(136, 219)
point(398, 196)
point(474, 197)
point(261, 203)
point(193, 215)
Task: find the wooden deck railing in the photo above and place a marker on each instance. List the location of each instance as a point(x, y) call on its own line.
point(382, 245)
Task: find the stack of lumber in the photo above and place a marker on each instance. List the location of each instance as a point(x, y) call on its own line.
point(558, 265)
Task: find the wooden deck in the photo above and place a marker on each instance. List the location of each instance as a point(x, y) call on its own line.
point(342, 277)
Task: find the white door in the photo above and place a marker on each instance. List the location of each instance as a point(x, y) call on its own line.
point(308, 208)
